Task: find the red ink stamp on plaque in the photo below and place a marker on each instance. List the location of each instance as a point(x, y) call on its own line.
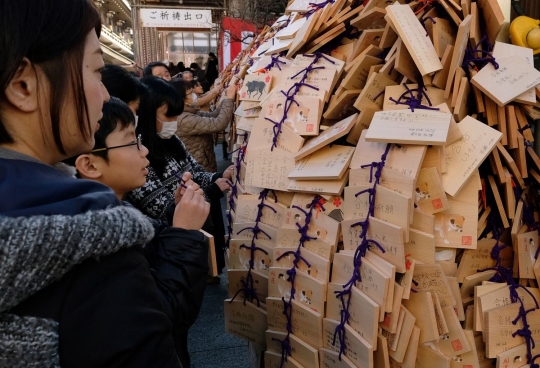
point(456, 345)
point(437, 204)
point(309, 128)
point(466, 240)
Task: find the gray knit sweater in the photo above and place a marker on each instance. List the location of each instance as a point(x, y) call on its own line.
point(36, 251)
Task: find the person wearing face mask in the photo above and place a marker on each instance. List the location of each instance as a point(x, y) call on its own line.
point(169, 158)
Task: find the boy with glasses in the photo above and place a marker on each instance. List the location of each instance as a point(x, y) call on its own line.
point(177, 255)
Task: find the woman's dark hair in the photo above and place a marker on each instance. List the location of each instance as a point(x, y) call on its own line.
point(194, 83)
point(180, 86)
point(52, 35)
point(212, 55)
point(115, 112)
point(194, 66)
point(159, 93)
point(147, 71)
point(121, 84)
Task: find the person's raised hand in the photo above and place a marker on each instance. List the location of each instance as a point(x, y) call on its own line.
point(230, 92)
point(192, 211)
point(223, 184)
point(185, 182)
point(228, 173)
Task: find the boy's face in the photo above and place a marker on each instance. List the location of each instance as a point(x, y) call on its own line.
point(126, 169)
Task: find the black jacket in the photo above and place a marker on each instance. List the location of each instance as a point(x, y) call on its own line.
point(95, 332)
point(179, 262)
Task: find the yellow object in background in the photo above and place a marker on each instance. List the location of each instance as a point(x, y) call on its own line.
point(525, 32)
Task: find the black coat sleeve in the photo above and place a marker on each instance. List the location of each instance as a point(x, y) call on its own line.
point(180, 268)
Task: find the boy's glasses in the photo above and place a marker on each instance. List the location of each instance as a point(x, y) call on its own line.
point(138, 143)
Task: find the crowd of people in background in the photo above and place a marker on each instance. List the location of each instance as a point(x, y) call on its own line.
point(107, 179)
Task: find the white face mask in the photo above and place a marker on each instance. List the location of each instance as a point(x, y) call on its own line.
point(168, 129)
point(136, 121)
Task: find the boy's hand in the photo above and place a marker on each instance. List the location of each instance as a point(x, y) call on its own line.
point(192, 211)
point(223, 184)
point(184, 184)
point(228, 173)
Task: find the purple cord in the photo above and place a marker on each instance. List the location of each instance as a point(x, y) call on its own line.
point(470, 55)
point(414, 102)
point(250, 292)
point(293, 91)
point(287, 305)
point(504, 275)
point(345, 294)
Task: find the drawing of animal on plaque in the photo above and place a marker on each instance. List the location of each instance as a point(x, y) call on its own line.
point(447, 223)
point(244, 255)
point(311, 271)
point(284, 286)
point(297, 118)
point(421, 191)
point(263, 263)
point(255, 87)
point(306, 296)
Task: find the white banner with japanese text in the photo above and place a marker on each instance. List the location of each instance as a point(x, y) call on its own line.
point(176, 18)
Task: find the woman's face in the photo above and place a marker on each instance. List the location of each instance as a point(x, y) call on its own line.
point(160, 115)
point(95, 93)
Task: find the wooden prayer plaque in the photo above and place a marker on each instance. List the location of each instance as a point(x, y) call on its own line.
point(247, 322)
point(466, 155)
point(269, 169)
point(372, 94)
point(429, 192)
point(405, 336)
point(462, 39)
point(389, 206)
point(330, 359)
point(421, 307)
point(337, 131)
point(412, 33)
point(430, 277)
point(513, 77)
point(499, 328)
point(302, 117)
point(303, 353)
point(358, 350)
point(406, 159)
point(390, 238)
point(364, 312)
point(328, 163)
point(502, 50)
point(406, 127)
point(307, 323)
point(255, 87)
point(321, 187)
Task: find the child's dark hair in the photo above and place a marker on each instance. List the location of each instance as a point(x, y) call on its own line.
point(159, 93)
point(115, 112)
point(120, 83)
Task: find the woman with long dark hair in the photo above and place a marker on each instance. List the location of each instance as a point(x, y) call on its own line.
point(59, 305)
point(169, 159)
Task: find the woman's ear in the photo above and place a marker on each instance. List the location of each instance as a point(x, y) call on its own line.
point(88, 166)
point(22, 89)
